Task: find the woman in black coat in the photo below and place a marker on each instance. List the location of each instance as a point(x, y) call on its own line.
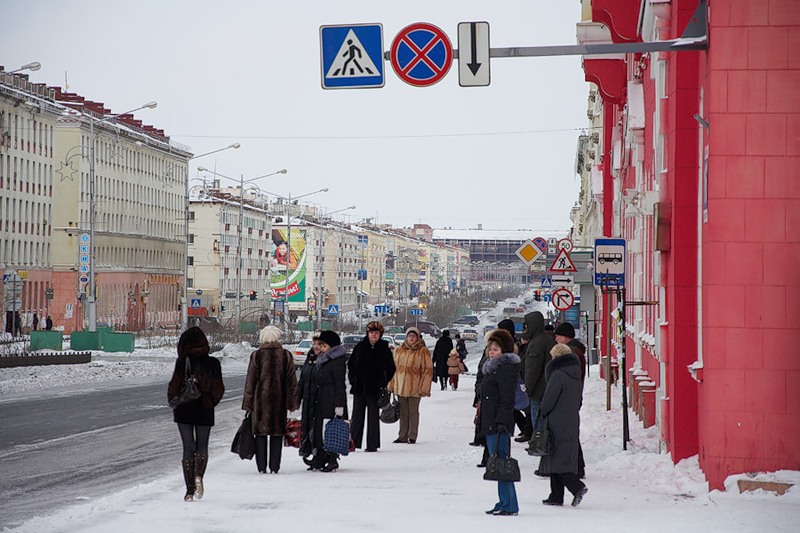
point(270, 390)
point(440, 353)
point(324, 395)
point(560, 405)
point(500, 374)
point(370, 368)
point(195, 418)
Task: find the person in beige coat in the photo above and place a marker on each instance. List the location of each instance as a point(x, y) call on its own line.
point(455, 367)
point(411, 381)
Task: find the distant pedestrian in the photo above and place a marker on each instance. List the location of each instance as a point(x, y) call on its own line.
point(48, 323)
point(500, 376)
point(560, 406)
point(35, 322)
point(270, 390)
point(440, 353)
point(195, 418)
point(306, 397)
point(461, 347)
point(455, 367)
point(370, 368)
point(324, 396)
point(411, 382)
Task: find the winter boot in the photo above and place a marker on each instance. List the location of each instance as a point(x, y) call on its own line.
point(188, 477)
point(333, 463)
point(200, 462)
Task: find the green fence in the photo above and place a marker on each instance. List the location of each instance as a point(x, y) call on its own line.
point(85, 340)
point(46, 340)
point(117, 342)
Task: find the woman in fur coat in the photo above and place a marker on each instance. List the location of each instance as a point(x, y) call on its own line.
point(411, 382)
point(500, 374)
point(560, 406)
point(270, 390)
point(195, 418)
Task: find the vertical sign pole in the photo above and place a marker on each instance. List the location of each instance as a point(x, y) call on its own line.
point(622, 370)
point(609, 377)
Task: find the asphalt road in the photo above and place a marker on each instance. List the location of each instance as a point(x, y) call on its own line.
point(56, 451)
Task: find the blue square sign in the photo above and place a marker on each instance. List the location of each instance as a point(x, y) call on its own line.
point(352, 56)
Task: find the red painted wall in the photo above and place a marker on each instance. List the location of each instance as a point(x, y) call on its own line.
point(750, 398)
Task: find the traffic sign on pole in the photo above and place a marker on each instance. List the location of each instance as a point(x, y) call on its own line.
point(352, 56)
point(563, 263)
point(528, 252)
point(609, 262)
point(563, 299)
point(416, 312)
point(333, 309)
point(421, 54)
point(473, 54)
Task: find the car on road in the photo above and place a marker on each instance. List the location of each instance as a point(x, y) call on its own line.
point(350, 341)
point(470, 320)
point(487, 329)
point(300, 352)
point(470, 334)
point(399, 338)
point(391, 341)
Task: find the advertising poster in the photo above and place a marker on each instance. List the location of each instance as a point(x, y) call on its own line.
point(288, 259)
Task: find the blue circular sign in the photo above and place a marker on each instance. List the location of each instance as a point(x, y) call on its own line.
point(421, 54)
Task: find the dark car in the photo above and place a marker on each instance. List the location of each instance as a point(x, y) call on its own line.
point(472, 320)
point(349, 342)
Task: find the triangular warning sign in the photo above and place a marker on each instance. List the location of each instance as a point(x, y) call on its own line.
point(563, 263)
point(352, 60)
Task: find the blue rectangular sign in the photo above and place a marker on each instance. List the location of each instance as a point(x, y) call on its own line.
point(609, 262)
point(416, 312)
point(352, 56)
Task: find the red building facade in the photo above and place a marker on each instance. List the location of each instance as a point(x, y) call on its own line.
point(700, 158)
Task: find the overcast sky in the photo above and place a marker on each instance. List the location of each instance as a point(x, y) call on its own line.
point(249, 72)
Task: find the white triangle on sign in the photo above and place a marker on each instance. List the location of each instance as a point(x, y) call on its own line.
point(563, 263)
point(352, 60)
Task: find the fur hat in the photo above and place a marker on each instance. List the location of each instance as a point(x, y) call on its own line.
point(413, 330)
point(375, 325)
point(193, 342)
point(331, 338)
point(502, 338)
point(566, 329)
point(269, 334)
point(560, 349)
point(446, 333)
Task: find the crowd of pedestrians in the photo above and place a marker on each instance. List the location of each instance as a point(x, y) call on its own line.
point(533, 382)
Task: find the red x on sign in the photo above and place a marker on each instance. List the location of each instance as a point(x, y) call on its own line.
point(421, 54)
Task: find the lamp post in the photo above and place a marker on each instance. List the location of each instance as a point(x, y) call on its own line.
point(92, 289)
point(240, 260)
point(33, 66)
point(320, 284)
point(184, 296)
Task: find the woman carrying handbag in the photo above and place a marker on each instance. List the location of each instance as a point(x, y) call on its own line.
point(500, 373)
point(195, 417)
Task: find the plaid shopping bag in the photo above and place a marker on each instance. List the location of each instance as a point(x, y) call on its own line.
point(336, 437)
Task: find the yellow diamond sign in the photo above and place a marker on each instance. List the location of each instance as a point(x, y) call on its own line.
point(528, 252)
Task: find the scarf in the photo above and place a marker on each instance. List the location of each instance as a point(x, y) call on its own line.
point(334, 353)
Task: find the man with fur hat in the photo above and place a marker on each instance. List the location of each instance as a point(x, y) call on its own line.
point(411, 382)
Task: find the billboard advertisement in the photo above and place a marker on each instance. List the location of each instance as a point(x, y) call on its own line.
point(288, 259)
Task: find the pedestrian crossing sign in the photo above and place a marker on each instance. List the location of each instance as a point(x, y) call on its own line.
point(352, 56)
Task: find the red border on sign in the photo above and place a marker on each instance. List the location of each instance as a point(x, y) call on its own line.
point(439, 35)
point(562, 290)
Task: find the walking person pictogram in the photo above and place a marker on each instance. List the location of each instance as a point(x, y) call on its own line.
point(350, 54)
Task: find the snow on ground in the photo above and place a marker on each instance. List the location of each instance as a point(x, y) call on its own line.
point(434, 485)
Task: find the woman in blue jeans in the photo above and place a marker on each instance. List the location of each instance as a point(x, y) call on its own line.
point(499, 384)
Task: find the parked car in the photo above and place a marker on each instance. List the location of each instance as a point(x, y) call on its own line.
point(350, 341)
point(391, 341)
point(300, 352)
point(471, 320)
point(487, 329)
point(455, 328)
point(399, 338)
point(470, 334)
point(425, 326)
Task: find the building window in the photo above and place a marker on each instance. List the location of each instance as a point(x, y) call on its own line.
point(190, 238)
point(191, 215)
point(190, 260)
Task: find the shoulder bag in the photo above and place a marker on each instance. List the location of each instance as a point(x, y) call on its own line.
point(391, 413)
point(541, 441)
point(502, 468)
point(244, 442)
point(189, 391)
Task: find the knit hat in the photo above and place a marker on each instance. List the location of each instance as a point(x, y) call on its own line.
point(566, 329)
point(446, 333)
point(560, 349)
point(508, 325)
point(269, 334)
point(413, 330)
point(331, 338)
point(193, 342)
point(503, 339)
point(375, 325)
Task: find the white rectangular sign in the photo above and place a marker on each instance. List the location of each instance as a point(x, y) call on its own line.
point(473, 54)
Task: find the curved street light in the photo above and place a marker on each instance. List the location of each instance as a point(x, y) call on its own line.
point(32, 66)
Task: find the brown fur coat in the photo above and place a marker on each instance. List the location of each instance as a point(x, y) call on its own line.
point(270, 389)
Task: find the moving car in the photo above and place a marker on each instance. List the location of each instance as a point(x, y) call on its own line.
point(470, 334)
point(350, 341)
point(425, 327)
point(471, 320)
point(399, 338)
point(300, 352)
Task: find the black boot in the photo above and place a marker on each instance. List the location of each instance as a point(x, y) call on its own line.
point(188, 477)
point(200, 463)
point(333, 463)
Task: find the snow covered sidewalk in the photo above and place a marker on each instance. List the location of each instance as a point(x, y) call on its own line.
point(434, 485)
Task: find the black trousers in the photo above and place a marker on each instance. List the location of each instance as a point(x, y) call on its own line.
point(275, 451)
point(559, 481)
point(521, 421)
point(194, 439)
point(366, 404)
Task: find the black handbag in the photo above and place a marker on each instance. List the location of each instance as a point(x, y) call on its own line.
point(502, 469)
point(244, 442)
point(383, 398)
point(541, 442)
point(189, 391)
point(391, 413)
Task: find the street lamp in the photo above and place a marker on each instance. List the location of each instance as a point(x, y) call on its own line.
point(33, 66)
point(319, 273)
point(92, 289)
point(242, 181)
point(184, 296)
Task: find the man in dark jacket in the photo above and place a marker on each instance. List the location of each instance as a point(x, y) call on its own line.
point(370, 368)
point(536, 357)
point(440, 353)
point(565, 334)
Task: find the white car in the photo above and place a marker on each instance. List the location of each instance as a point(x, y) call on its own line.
point(300, 352)
point(399, 338)
point(470, 334)
point(392, 343)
